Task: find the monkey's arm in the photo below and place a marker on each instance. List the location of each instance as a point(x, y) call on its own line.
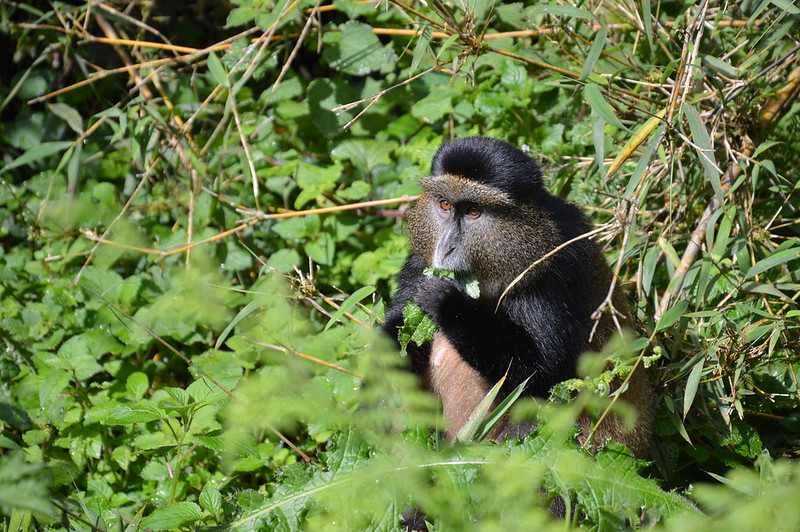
point(494, 343)
point(408, 282)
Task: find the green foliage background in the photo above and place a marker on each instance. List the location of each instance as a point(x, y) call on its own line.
point(178, 350)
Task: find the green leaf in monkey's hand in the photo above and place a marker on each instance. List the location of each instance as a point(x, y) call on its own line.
point(417, 327)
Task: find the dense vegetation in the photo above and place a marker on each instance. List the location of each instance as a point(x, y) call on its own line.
point(201, 214)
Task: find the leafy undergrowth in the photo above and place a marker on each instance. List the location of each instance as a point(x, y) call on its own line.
point(201, 214)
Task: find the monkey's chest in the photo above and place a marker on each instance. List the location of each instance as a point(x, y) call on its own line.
point(458, 384)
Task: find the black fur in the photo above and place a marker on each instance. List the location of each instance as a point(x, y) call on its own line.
point(490, 162)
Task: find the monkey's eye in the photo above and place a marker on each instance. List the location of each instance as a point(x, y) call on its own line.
point(473, 212)
point(445, 205)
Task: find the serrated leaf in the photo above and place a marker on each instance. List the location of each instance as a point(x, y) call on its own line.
point(141, 413)
point(211, 500)
point(173, 516)
point(598, 103)
point(417, 327)
point(137, 385)
point(358, 51)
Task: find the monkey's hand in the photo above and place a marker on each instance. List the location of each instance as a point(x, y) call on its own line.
point(435, 294)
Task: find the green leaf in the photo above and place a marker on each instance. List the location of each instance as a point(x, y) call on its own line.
point(691, 386)
point(137, 385)
point(672, 315)
point(217, 70)
point(69, 115)
point(776, 259)
point(566, 11)
point(422, 48)
point(211, 500)
point(599, 105)
point(469, 429)
point(321, 250)
point(141, 413)
point(366, 154)
point(173, 516)
point(358, 51)
point(705, 150)
point(417, 327)
point(647, 19)
point(350, 303)
point(37, 153)
point(500, 411)
point(315, 181)
point(594, 52)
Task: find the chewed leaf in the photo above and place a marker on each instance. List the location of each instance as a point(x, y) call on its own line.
point(417, 327)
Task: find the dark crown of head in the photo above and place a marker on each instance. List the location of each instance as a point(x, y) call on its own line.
point(491, 162)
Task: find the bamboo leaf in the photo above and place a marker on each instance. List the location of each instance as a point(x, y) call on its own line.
point(691, 386)
point(594, 52)
point(469, 430)
point(635, 141)
point(350, 303)
point(705, 150)
point(599, 104)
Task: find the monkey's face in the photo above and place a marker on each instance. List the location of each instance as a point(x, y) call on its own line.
point(474, 229)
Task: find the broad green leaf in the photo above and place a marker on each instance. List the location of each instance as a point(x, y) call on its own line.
point(137, 385)
point(366, 154)
point(315, 181)
point(599, 105)
point(211, 500)
point(175, 515)
point(322, 249)
point(141, 413)
point(417, 327)
point(357, 51)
